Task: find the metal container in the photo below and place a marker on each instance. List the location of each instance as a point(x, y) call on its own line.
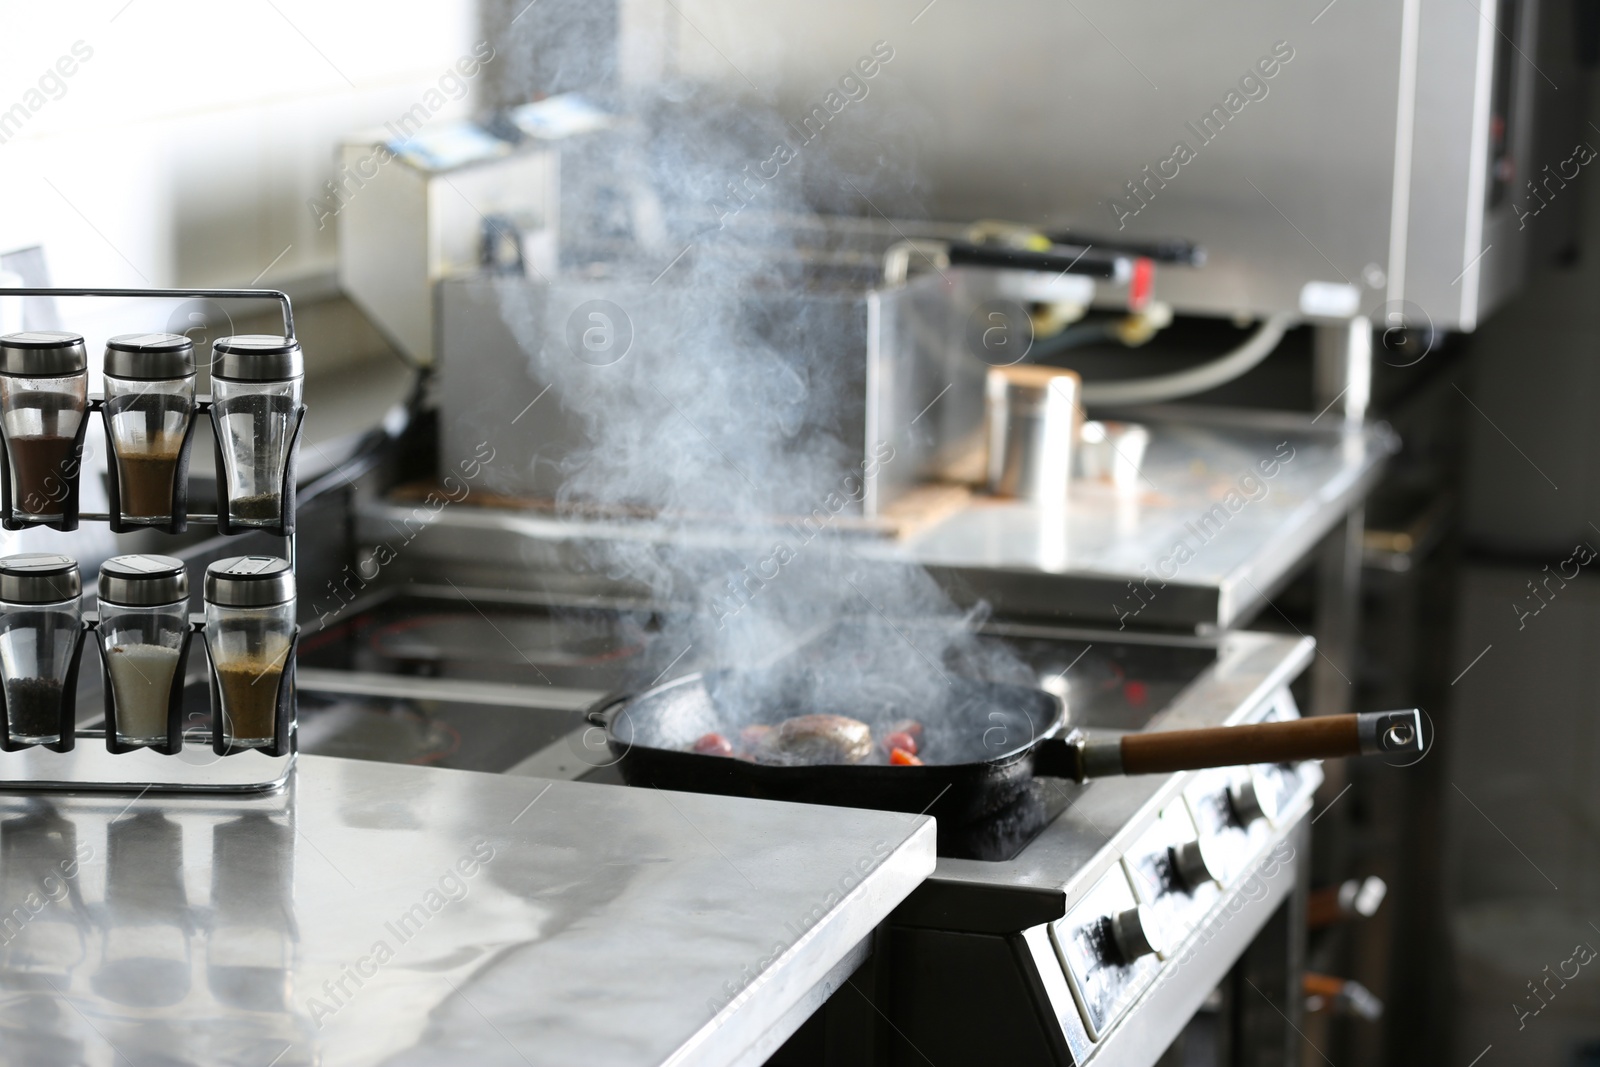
point(44, 393)
point(149, 384)
point(41, 619)
point(250, 605)
point(1112, 452)
point(1031, 426)
point(144, 622)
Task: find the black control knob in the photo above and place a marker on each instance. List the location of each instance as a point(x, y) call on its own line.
point(1138, 932)
point(1249, 803)
point(1194, 863)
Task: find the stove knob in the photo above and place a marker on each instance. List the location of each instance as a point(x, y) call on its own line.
point(1138, 932)
point(1193, 865)
point(1249, 804)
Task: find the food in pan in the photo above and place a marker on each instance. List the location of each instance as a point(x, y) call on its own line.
point(818, 739)
point(713, 744)
point(910, 727)
point(755, 736)
point(823, 739)
point(901, 740)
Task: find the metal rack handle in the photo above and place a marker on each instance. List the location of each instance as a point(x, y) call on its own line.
point(209, 294)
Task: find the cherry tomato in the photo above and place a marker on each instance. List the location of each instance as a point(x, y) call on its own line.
point(899, 757)
point(906, 726)
point(713, 744)
point(901, 740)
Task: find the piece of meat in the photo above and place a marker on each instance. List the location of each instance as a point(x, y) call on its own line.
point(713, 744)
point(899, 757)
point(755, 736)
point(823, 739)
point(902, 740)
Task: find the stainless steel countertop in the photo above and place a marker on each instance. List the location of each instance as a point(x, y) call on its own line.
point(1227, 507)
point(374, 913)
point(1244, 532)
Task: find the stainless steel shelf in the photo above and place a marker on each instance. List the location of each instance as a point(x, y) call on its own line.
point(1207, 538)
point(1239, 550)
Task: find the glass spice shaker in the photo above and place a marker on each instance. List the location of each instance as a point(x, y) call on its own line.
point(256, 384)
point(41, 615)
point(250, 607)
point(144, 615)
point(44, 392)
point(149, 383)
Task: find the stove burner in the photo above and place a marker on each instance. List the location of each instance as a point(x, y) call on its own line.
point(1003, 835)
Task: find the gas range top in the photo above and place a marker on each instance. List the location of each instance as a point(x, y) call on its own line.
point(542, 644)
point(491, 685)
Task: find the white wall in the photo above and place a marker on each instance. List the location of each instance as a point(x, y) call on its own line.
point(184, 150)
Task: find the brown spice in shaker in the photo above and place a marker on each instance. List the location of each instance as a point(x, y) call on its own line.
point(250, 696)
point(41, 462)
point(145, 479)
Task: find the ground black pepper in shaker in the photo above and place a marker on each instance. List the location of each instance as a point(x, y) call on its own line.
point(41, 618)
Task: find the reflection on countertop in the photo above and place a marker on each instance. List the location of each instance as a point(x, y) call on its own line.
point(374, 913)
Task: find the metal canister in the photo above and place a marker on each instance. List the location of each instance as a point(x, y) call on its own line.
point(1112, 452)
point(1031, 426)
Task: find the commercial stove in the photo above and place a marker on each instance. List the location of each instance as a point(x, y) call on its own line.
point(1083, 924)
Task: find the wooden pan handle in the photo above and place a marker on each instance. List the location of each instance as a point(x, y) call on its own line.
point(1321, 737)
point(1325, 737)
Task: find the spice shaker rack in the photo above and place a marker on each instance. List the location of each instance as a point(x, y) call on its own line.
point(198, 760)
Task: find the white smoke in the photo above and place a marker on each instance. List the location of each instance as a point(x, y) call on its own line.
point(725, 412)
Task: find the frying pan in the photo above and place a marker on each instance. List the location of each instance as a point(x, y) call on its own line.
point(983, 742)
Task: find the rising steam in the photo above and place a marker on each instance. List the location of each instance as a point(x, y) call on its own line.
point(727, 407)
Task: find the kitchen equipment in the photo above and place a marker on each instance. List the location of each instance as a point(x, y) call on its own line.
point(970, 964)
point(1423, 124)
point(1031, 426)
point(405, 223)
point(982, 747)
point(1112, 452)
point(1193, 555)
point(44, 394)
point(41, 638)
point(144, 632)
point(250, 636)
point(148, 411)
point(256, 385)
